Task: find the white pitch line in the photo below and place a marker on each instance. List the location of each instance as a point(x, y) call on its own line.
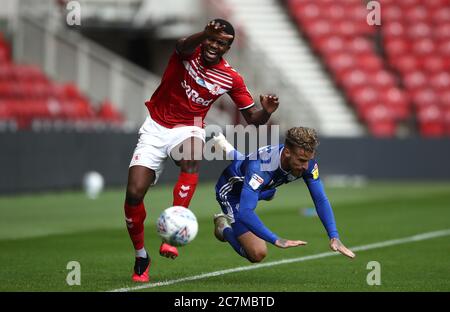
point(410, 239)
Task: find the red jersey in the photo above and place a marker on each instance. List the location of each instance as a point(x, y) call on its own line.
point(189, 87)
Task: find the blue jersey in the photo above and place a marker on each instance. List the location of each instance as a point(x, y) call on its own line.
point(256, 177)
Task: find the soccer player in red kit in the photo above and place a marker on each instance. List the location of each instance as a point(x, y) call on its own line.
point(195, 77)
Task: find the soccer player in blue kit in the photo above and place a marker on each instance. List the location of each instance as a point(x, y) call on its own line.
point(255, 177)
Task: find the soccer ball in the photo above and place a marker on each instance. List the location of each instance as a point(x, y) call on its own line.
point(177, 226)
point(93, 184)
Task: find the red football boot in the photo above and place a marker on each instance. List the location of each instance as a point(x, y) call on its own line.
point(168, 251)
point(141, 266)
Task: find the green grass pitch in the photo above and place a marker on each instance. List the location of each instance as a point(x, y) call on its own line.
point(40, 234)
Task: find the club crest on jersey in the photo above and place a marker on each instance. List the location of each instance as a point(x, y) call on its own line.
point(215, 89)
point(256, 181)
point(315, 172)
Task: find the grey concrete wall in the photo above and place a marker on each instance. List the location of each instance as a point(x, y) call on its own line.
point(55, 161)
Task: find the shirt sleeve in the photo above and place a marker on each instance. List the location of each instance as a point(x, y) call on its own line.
point(239, 93)
point(253, 182)
point(321, 202)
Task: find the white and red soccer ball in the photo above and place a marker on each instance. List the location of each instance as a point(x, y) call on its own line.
point(177, 226)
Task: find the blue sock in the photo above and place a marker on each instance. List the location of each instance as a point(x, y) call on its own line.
point(232, 240)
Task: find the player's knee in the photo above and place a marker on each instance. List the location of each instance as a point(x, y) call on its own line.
point(257, 255)
point(135, 194)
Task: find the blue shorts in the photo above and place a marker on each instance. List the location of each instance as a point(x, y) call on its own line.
point(229, 204)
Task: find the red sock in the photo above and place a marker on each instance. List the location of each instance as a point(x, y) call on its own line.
point(184, 189)
point(134, 217)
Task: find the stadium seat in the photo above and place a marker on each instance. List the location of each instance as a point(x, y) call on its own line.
point(381, 122)
point(431, 121)
point(27, 95)
point(109, 113)
point(446, 117)
point(401, 72)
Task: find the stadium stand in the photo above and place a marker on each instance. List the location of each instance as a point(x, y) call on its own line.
point(392, 74)
point(28, 98)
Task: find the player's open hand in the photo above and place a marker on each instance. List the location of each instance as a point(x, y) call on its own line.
point(214, 29)
point(269, 102)
point(336, 245)
point(285, 243)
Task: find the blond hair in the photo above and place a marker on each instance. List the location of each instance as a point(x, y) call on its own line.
point(302, 137)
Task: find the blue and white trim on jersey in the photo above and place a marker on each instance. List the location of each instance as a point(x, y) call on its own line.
point(223, 192)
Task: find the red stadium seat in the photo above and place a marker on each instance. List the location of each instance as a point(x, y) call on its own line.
point(440, 81)
point(444, 49)
point(446, 117)
point(405, 63)
point(393, 29)
point(415, 80)
point(431, 121)
point(416, 14)
point(330, 45)
point(370, 62)
point(391, 13)
point(424, 47)
point(338, 63)
point(360, 45)
point(109, 113)
point(398, 101)
point(405, 4)
point(442, 31)
point(354, 78)
point(335, 12)
point(420, 30)
point(435, 4)
point(364, 97)
point(383, 79)
point(397, 46)
point(441, 15)
point(444, 97)
point(412, 68)
point(433, 64)
point(380, 120)
point(27, 94)
point(425, 97)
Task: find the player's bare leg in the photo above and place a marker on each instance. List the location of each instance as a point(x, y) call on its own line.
point(254, 247)
point(190, 151)
point(247, 245)
point(139, 180)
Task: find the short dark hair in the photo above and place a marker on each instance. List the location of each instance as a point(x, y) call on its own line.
point(229, 29)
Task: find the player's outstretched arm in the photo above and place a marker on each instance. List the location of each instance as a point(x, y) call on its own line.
point(286, 243)
point(187, 46)
point(255, 116)
point(336, 245)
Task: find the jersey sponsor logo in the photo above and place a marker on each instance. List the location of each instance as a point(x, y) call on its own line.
point(256, 181)
point(315, 172)
point(194, 95)
point(200, 81)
